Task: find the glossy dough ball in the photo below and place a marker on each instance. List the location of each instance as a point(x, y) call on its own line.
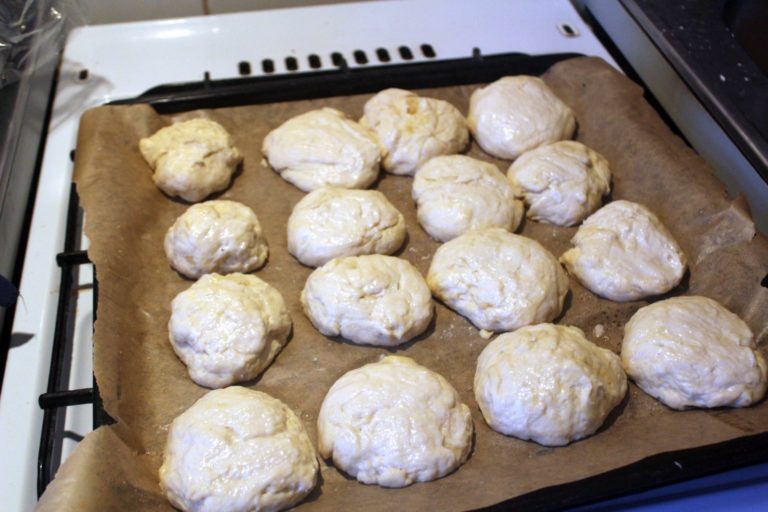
point(238, 450)
point(393, 423)
point(191, 159)
point(413, 129)
point(455, 194)
point(622, 252)
point(371, 300)
point(547, 383)
point(498, 280)
point(516, 114)
point(693, 352)
point(228, 329)
point(216, 236)
point(561, 183)
point(323, 148)
point(332, 222)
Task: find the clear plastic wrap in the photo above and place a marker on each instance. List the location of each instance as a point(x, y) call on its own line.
point(32, 32)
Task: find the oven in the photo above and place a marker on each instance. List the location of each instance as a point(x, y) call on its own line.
point(48, 389)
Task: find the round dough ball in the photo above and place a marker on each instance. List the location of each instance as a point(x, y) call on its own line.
point(693, 352)
point(393, 423)
point(323, 148)
point(191, 159)
point(623, 252)
point(333, 222)
point(498, 280)
point(228, 329)
point(216, 236)
point(238, 450)
point(413, 129)
point(455, 194)
point(517, 113)
point(561, 183)
point(547, 383)
point(371, 300)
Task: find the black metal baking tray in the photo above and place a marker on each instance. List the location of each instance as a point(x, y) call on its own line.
point(660, 469)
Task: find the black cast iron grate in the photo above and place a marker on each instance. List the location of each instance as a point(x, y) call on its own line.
point(654, 471)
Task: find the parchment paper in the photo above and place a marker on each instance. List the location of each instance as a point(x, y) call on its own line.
point(144, 386)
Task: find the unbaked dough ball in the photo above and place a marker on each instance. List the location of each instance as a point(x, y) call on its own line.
point(238, 450)
point(623, 252)
point(498, 280)
point(191, 159)
point(517, 113)
point(455, 194)
point(371, 300)
point(323, 148)
point(561, 183)
point(333, 222)
point(413, 129)
point(227, 329)
point(547, 383)
point(216, 236)
point(393, 423)
point(693, 352)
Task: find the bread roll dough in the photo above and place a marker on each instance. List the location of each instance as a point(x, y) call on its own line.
point(228, 329)
point(498, 280)
point(216, 236)
point(547, 383)
point(371, 300)
point(191, 159)
point(393, 423)
point(412, 129)
point(561, 183)
point(333, 222)
point(238, 450)
point(455, 194)
point(693, 352)
point(323, 148)
point(517, 113)
point(622, 252)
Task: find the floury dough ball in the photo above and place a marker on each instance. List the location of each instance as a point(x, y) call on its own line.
point(561, 183)
point(393, 423)
point(693, 352)
point(371, 300)
point(238, 450)
point(332, 222)
point(227, 329)
point(516, 114)
point(216, 236)
point(623, 252)
point(323, 148)
point(413, 129)
point(191, 159)
point(547, 383)
point(455, 194)
point(498, 280)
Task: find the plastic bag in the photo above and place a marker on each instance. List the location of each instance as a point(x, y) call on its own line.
point(33, 31)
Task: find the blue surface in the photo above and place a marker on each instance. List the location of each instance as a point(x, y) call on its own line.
point(740, 490)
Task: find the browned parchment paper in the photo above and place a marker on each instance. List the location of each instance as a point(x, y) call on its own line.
point(144, 385)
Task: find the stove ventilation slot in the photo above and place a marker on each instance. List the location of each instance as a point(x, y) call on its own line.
point(337, 59)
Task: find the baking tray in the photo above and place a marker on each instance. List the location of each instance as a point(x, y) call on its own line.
point(650, 472)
